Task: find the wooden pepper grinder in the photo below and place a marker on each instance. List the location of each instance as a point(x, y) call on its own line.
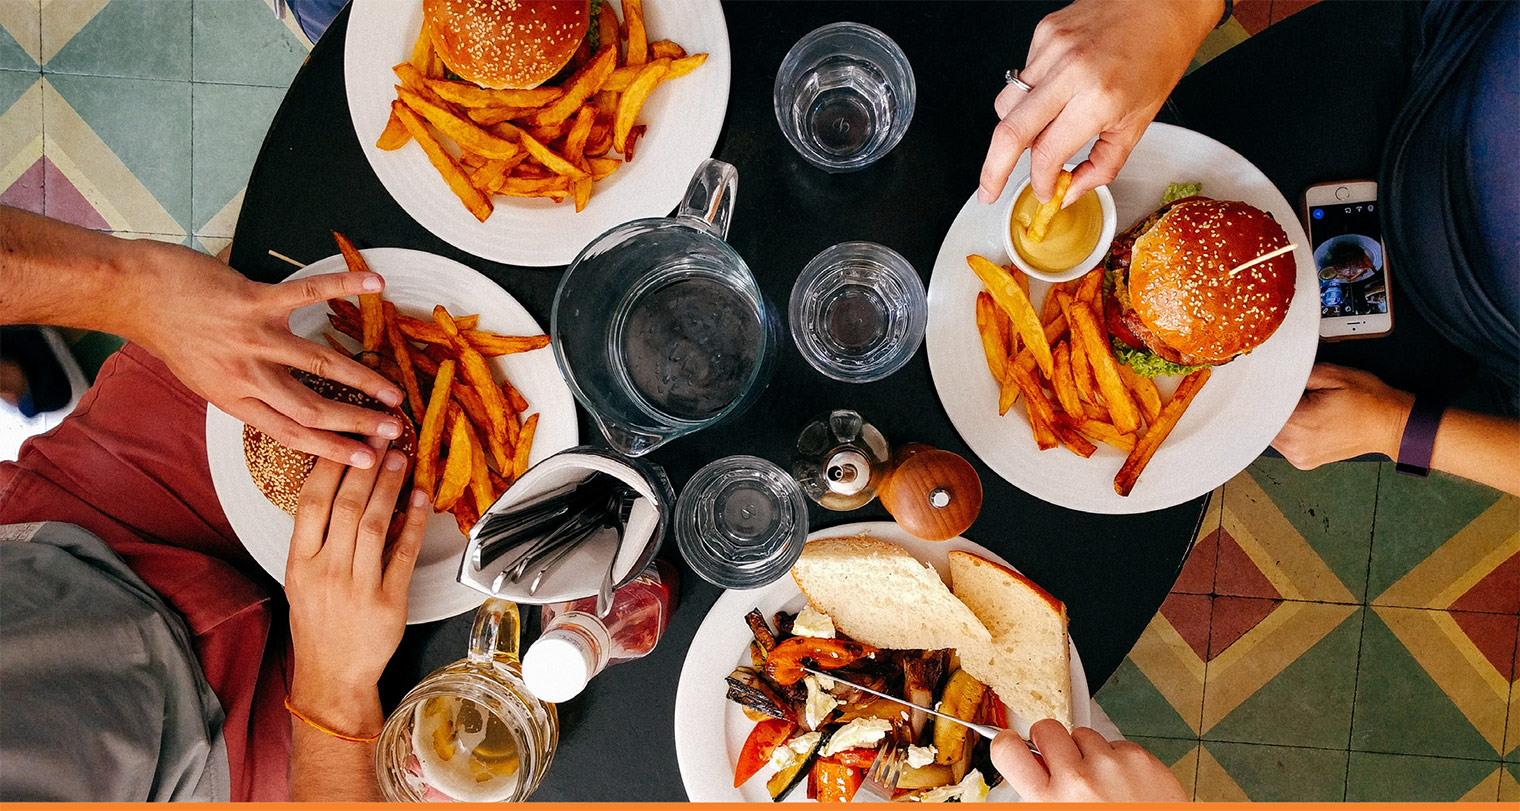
point(933, 494)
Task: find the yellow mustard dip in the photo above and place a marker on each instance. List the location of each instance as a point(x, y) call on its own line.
point(1072, 235)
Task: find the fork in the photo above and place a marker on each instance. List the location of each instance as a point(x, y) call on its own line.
point(886, 769)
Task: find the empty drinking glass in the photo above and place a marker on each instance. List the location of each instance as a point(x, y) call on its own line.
point(741, 522)
point(844, 96)
point(858, 312)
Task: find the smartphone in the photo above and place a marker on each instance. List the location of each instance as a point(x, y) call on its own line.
point(1352, 264)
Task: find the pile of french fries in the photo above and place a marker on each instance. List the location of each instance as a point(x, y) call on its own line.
point(550, 142)
point(472, 439)
point(1064, 349)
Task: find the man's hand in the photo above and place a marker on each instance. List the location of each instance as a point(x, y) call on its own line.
point(1344, 413)
point(1082, 767)
point(347, 592)
point(1097, 68)
point(228, 339)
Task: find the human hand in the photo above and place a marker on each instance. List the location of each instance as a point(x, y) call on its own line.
point(1082, 767)
point(347, 592)
point(1344, 413)
point(1098, 68)
point(228, 339)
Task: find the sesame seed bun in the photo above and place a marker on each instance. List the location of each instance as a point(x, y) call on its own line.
point(1189, 308)
point(507, 44)
point(280, 472)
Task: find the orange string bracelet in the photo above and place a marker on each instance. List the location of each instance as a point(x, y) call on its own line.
point(336, 734)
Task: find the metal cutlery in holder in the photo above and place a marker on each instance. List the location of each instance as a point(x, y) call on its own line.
point(582, 522)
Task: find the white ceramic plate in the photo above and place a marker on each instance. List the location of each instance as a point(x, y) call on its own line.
point(415, 282)
point(710, 729)
point(1235, 416)
point(684, 117)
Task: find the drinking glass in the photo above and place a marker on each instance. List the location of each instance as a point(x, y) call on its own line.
point(858, 312)
point(844, 96)
point(660, 327)
point(741, 522)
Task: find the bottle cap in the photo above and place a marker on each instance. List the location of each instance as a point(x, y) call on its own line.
point(557, 667)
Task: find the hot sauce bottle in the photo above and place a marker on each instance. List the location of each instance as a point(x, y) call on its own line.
point(576, 645)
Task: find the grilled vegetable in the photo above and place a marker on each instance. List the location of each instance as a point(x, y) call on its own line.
point(763, 636)
point(784, 664)
point(837, 783)
point(762, 741)
point(749, 690)
point(785, 780)
point(783, 622)
point(933, 775)
point(962, 699)
point(919, 689)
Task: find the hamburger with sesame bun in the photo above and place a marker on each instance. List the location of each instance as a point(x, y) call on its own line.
point(280, 471)
point(1173, 304)
point(507, 44)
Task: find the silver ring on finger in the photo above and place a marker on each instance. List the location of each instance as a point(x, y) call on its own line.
point(1012, 77)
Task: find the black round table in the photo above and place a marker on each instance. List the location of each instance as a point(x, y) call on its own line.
point(617, 740)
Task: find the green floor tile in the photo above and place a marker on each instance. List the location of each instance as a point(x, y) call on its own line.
point(1414, 517)
point(1166, 750)
point(241, 42)
point(1137, 708)
point(135, 39)
point(1307, 704)
point(12, 55)
point(1406, 778)
point(13, 83)
point(1331, 506)
point(20, 35)
point(229, 126)
point(1400, 708)
point(1283, 774)
point(146, 125)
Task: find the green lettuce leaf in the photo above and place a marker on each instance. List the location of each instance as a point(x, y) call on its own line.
point(1177, 191)
point(1148, 364)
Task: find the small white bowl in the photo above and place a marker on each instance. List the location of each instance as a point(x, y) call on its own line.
point(1105, 236)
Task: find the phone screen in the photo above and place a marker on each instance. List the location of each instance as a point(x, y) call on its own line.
point(1348, 252)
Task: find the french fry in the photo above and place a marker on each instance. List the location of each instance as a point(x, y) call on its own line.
point(1090, 287)
point(466, 133)
point(478, 374)
point(550, 133)
point(1100, 356)
point(1082, 375)
point(416, 81)
point(470, 95)
point(524, 447)
point(580, 131)
point(471, 161)
point(499, 483)
point(350, 328)
point(1107, 434)
point(665, 49)
point(402, 352)
point(632, 141)
point(370, 314)
point(583, 85)
point(1145, 391)
point(993, 345)
point(458, 181)
point(491, 116)
point(456, 471)
point(430, 435)
point(1063, 384)
point(1041, 413)
point(608, 28)
point(1071, 438)
point(1146, 446)
point(1005, 291)
point(394, 136)
point(681, 67)
point(518, 402)
point(465, 515)
point(337, 345)
point(480, 475)
point(548, 158)
point(1040, 223)
point(602, 167)
point(638, 38)
point(554, 188)
point(633, 100)
point(422, 49)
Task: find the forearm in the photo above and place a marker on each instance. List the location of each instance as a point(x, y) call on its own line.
point(63, 275)
point(326, 768)
point(1479, 447)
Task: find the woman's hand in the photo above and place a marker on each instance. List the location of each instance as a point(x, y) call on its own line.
point(1098, 68)
point(1344, 413)
point(228, 339)
point(347, 592)
point(1082, 767)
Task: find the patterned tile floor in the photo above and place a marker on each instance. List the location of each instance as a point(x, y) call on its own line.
point(1344, 633)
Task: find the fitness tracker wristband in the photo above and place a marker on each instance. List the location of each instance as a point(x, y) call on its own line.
point(1419, 439)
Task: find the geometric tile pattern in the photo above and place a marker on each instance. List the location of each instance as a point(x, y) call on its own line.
point(1338, 634)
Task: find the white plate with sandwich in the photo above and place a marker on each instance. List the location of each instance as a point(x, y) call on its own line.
point(710, 730)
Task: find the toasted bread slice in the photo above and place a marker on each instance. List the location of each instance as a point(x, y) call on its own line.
point(1028, 664)
point(879, 594)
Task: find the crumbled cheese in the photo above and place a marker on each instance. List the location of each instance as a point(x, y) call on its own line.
point(819, 704)
point(825, 682)
point(921, 756)
point(861, 732)
point(790, 752)
point(812, 623)
point(971, 789)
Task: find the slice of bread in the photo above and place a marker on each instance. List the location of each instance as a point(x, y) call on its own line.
point(879, 594)
point(1028, 664)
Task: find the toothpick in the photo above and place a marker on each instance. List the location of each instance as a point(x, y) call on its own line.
point(1264, 257)
point(283, 258)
